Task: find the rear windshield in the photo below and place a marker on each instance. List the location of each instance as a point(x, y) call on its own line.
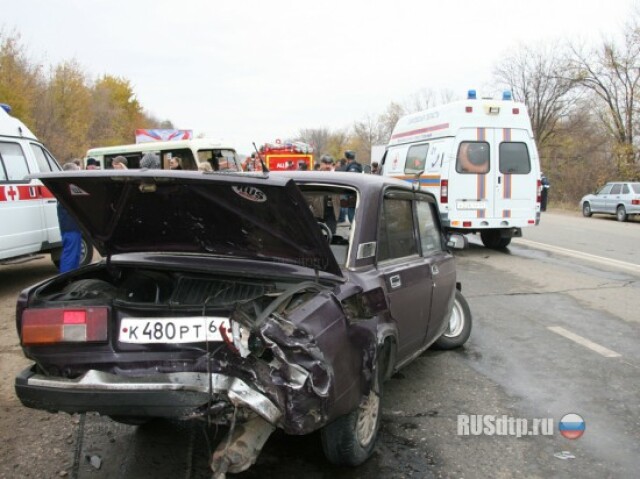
point(514, 158)
point(473, 157)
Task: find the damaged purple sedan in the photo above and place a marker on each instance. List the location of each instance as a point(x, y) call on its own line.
point(237, 299)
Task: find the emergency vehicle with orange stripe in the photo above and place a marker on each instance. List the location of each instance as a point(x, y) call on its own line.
point(479, 158)
point(28, 211)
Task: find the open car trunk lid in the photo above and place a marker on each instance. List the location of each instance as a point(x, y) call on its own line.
point(238, 215)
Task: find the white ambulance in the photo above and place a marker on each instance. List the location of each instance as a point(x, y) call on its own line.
point(479, 158)
point(28, 211)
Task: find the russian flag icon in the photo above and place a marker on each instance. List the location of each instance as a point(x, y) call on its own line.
point(572, 426)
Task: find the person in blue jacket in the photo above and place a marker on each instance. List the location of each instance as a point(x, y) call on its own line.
point(71, 235)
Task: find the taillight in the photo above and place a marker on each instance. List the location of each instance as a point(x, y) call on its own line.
point(539, 192)
point(62, 325)
point(635, 202)
point(444, 191)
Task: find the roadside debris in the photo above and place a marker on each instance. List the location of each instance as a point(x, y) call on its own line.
point(95, 461)
point(240, 449)
point(564, 455)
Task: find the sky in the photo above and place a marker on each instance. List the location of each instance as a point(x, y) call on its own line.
point(255, 71)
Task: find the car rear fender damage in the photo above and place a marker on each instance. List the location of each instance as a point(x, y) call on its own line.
point(304, 334)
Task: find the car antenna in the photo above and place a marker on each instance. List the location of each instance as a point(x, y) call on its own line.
point(264, 167)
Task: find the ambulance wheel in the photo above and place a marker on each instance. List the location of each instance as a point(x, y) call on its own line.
point(458, 327)
point(86, 252)
point(493, 240)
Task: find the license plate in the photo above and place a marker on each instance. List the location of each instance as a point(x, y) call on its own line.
point(174, 330)
point(471, 205)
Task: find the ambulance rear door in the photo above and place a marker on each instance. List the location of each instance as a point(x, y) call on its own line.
point(472, 178)
point(517, 174)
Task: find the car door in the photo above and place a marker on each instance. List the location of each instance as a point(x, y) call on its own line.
point(406, 274)
point(21, 209)
point(441, 266)
point(613, 198)
point(598, 202)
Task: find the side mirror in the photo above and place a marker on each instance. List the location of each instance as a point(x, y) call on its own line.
point(457, 241)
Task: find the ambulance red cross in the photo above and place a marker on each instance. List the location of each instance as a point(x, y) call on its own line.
point(27, 209)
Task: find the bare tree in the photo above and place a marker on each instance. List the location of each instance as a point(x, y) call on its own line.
point(537, 77)
point(612, 74)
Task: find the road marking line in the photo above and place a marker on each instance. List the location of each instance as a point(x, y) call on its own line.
point(580, 255)
point(607, 353)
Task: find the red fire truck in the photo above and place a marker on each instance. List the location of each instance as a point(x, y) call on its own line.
point(290, 155)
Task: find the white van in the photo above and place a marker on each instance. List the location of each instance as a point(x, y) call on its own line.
point(221, 156)
point(28, 211)
point(479, 158)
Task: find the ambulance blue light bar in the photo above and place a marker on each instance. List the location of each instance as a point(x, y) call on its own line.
point(506, 95)
point(471, 95)
point(5, 107)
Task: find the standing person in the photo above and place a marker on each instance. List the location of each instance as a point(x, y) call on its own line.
point(92, 164)
point(119, 163)
point(375, 168)
point(70, 232)
point(150, 161)
point(352, 167)
point(544, 194)
point(326, 163)
point(175, 163)
point(342, 165)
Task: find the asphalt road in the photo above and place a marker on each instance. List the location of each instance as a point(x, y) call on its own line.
point(555, 332)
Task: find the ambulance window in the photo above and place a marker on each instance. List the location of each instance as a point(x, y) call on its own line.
point(514, 159)
point(44, 162)
point(473, 157)
point(14, 161)
point(396, 239)
point(429, 232)
point(416, 158)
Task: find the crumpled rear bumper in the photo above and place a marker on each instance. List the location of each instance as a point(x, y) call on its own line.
point(160, 395)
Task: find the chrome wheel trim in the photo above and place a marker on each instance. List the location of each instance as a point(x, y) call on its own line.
point(456, 321)
point(367, 419)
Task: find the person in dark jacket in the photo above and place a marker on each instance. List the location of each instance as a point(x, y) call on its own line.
point(352, 167)
point(71, 235)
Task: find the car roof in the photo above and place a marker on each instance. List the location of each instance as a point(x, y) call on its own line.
point(360, 181)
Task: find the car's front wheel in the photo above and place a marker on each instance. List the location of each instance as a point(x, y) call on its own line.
point(586, 210)
point(350, 439)
point(621, 213)
point(458, 327)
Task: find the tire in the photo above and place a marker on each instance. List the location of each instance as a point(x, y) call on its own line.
point(459, 328)
point(493, 240)
point(351, 439)
point(86, 251)
point(621, 214)
point(90, 289)
point(586, 210)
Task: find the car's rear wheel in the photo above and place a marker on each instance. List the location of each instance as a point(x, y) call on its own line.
point(459, 325)
point(586, 210)
point(621, 213)
point(494, 240)
point(350, 439)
